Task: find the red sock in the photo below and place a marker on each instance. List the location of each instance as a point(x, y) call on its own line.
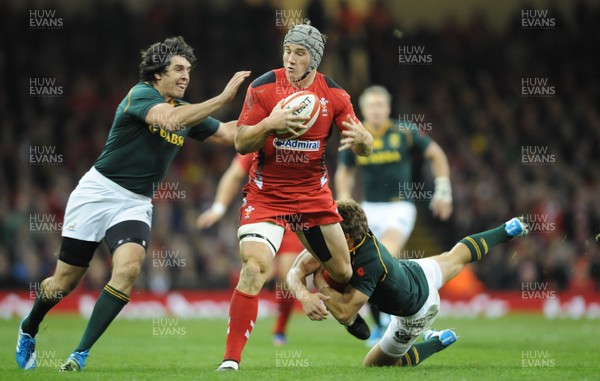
point(284, 306)
point(242, 316)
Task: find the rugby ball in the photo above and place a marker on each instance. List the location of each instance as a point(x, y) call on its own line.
point(310, 110)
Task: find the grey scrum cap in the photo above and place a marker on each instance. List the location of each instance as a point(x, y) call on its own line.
point(309, 37)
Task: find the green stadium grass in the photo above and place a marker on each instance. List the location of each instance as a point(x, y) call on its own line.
point(488, 349)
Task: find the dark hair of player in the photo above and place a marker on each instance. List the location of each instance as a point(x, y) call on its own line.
point(157, 57)
point(355, 220)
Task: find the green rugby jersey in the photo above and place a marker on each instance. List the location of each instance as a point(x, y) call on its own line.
point(137, 154)
point(396, 287)
point(389, 167)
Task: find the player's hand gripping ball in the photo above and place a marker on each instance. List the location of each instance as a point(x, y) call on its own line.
point(310, 109)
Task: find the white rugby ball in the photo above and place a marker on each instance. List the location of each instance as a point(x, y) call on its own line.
point(311, 110)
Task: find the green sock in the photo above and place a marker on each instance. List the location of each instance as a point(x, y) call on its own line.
point(107, 307)
point(480, 243)
point(376, 316)
point(419, 352)
point(41, 306)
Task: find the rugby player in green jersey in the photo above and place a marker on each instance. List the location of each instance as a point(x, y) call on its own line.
point(387, 183)
point(405, 289)
point(388, 188)
point(113, 200)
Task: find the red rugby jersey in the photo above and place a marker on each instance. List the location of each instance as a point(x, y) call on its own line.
point(289, 166)
point(245, 161)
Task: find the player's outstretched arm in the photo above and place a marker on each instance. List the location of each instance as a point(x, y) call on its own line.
point(225, 134)
point(312, 304)
point(227, 188)
point(251, 138)
point(172, 118)
point(356, 137)
point(441, 202)
point(344, 307)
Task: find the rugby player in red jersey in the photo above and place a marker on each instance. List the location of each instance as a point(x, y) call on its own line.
point(288, 181)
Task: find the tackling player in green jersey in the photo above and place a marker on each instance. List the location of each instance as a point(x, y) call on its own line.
point(388, 187)
point(113, 199)
point(406, 289)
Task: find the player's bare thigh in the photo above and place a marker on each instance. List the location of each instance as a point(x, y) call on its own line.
point(338, 265)
point(285, 261)
point(452, 262)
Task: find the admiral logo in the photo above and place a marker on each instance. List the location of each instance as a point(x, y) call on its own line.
point(297, 145)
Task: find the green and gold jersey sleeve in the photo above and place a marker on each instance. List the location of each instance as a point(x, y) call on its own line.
point(204, 129)
point(137, 154)
point(140, 100)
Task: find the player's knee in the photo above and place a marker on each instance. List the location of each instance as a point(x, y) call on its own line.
point(254, 268)
point(253, 276)
point(50, 289)
point(61, 284)
point(127, 272)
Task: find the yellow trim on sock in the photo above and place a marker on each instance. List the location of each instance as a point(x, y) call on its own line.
point(116, 293)
point(416, 355)
point(485, 245)
point(408, 362)
point(476, 246)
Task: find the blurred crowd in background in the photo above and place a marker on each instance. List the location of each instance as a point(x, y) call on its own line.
point(471, 94)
